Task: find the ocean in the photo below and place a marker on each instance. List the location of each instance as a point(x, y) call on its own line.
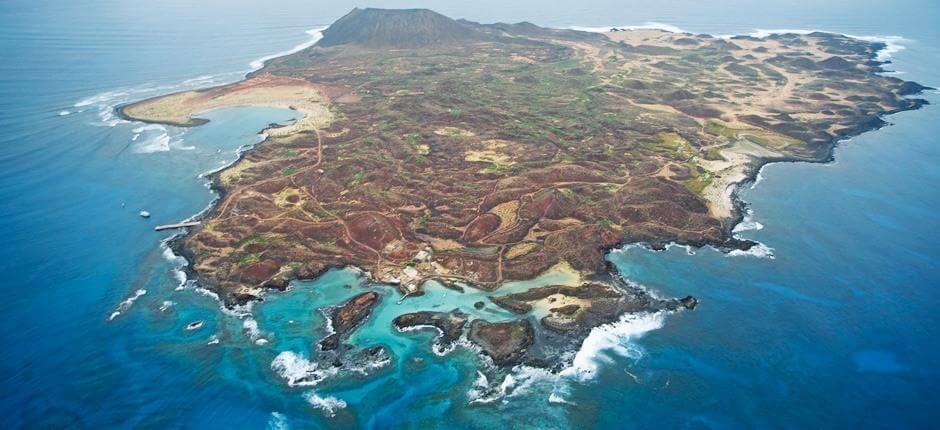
point(832, 323)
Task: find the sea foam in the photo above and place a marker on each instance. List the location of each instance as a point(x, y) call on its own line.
point(298, 371)
point(597, 350)
point(158, 143)
point(893, 44)
point(178, 262)
point(315, 35)
point(650, 25)
point(250, 326)
point(105, 103)
point(758, 251)
point(126, 304)
point(747, 223)
point(516, 383)
point(329, 404)
point(616, 338)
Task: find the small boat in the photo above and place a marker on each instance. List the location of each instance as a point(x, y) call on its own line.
point(145, 214)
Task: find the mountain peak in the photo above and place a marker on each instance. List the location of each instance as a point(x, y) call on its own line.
point(397, 28)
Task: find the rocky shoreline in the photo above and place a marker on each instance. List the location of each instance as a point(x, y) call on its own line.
point(571, 312)
point(503, 343)
point(554, 319)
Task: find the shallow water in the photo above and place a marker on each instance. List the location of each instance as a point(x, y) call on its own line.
point(836, 330)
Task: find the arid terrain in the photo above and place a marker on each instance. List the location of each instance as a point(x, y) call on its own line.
point(471, 154)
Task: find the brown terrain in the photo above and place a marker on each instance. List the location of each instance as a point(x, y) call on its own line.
point(434, 149)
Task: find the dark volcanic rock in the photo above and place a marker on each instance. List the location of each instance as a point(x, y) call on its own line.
point(837, 63)
point(688, 302)
point(679, 95)
point(514, 306)
point(449, 323)
point(566, 310)
point(450, 285)
point(373, 357)
point(330, 342)
point(399, 28)
point(910, 88)
point(354, 311)
point(348, 316)
point(596, 303)
point(504, 342)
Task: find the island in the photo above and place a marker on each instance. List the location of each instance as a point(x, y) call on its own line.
point(434, 149)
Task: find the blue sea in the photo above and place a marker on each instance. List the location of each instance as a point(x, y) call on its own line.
point(833, 324)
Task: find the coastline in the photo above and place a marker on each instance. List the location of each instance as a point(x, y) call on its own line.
point(828, 321)
point(583, 364)
point(890, 45)
point(729, 243)
point(753, 170)
point(175, 242)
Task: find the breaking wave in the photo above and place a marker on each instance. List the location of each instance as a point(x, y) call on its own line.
point(747, 223)
point(298, 371)
point(315, 35)
point(126, 304)
point(329, 404)
point(157, 138)
point(758, 178)
point(598, 349)
point(614, 338)
point(200, 80)
point(893, 44)
point(651, 25)
point(158, 143)
point(758, 251)
point(105, 103)
point(520, 382)
point(366, 368)
point(250, 326)
point(439, 348)
point(178, 262)
point(689, 250)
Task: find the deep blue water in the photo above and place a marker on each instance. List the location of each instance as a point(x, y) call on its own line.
point(837, 330)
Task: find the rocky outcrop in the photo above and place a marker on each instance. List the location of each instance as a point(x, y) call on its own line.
point(577, 309)
point(347, 317)
point(504, 342)
point(450, 324)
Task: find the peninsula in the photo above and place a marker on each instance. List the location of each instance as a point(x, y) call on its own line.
point(475, 154)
